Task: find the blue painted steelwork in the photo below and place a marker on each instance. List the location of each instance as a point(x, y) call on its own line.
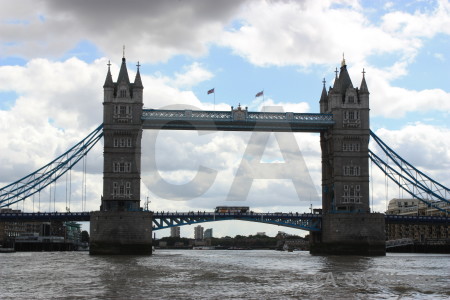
point(393, 219)
point(411, 180)
point(235, 120)
point(310, 222)
point(44, 216)
point(38, 180)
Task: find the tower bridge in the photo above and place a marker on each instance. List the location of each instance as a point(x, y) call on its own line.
point(346, 225)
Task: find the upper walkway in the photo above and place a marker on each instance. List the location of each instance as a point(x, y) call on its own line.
point(235, 120)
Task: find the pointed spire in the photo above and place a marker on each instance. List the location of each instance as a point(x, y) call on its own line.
point(137, 80)
point(324, 95)
point(123, 73)
point(363, 88)
point(343, 60)
point(344, 78)
point(336, 85)
point(108, 81)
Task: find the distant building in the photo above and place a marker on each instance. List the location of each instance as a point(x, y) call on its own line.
point(261, 233)
point(198, 233)
point(26, 236)
point(208, 233)
point(429, 233)
point(414, 207)
point(175, 231)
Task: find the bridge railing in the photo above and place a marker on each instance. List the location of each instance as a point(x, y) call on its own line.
point(149, 114)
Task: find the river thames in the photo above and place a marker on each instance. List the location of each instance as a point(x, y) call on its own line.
point(223, 274)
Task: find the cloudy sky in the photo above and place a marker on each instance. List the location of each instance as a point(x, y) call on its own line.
point(53, 63)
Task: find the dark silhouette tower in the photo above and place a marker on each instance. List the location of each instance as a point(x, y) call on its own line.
point(348, 227)
point(121, 227)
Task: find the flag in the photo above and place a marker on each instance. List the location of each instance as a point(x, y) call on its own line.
point(259, 94)
point(210, 91)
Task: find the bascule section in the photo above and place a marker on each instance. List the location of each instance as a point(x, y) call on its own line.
point(347, 225)
point(121, 227)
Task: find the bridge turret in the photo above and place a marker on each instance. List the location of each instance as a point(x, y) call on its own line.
point(108, 87)
point(138, 88)
point(121, 226)
point(122, 110)
point(345, 175)
point(348, 227)
point(323, 99)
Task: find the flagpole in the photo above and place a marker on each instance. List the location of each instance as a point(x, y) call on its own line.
point(263, 100)
point(214, 100)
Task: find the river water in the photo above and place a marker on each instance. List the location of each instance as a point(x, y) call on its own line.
point(223, 274)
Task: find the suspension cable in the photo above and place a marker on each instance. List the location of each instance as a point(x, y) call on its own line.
point(54, 197)
point(372, 182)
point(70, 186)
point(386, 187)
point(85, 181)
point(50, 199)
point(67, 175)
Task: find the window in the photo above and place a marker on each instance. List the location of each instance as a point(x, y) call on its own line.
point(351, 170)
point(123, 93)
point(121, 190)
point(351, 99)
point(115, 188)
point(355, 147)
point(123, 142)
point(351, 194)
point(121, 167)
point(128, 188)
point(122, 112)
point(351, 118)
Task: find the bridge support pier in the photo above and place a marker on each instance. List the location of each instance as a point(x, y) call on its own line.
point(350, 234)
point(121, 232)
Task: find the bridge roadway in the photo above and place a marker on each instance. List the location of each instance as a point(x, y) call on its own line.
point(162, 220)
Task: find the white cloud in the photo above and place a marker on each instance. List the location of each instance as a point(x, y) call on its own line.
point(153, 30)
point(402, 100)
point(193, 75)
point(426, 23)
point(305, 33)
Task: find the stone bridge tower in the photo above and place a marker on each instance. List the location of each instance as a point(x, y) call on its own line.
point(348, 227)
point(121, 227)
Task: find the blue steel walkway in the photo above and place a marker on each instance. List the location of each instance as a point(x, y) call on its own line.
point(162, 220)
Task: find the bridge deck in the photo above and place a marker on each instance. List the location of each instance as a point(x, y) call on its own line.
point(305, 221)
point(235, 120)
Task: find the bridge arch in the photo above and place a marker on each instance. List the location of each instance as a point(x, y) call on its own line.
point(308, 222)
